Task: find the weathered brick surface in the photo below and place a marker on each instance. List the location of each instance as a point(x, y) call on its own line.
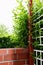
point(4, 63)
point(3, 51)
point(14, 56)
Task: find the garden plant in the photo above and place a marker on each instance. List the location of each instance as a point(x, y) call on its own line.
point(20, 29)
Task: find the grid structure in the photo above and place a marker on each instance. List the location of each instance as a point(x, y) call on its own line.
point(38, 36)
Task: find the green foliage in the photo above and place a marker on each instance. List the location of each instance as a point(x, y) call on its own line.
point(37, 24)
point(20, 20)
point(3, 31)
point(20, 32)
point(19, 1)
point(6, 42)
point(37, 4)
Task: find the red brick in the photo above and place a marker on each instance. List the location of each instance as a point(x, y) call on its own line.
point(10, 63)
point(27, 61)
point(5, 63)
point(21, 50)
point(19, 63)
point(22, 56)
point(1, 58)
point(10, 57)
point(3, 51)
point(11, 51)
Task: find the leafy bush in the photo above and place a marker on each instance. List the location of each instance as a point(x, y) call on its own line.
point(37, 4)
point(3, 31)
point(6, 42)
point(20, 20)
point(20, 30)
point(37, 24)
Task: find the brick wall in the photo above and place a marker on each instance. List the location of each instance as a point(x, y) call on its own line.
point(14, 56)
